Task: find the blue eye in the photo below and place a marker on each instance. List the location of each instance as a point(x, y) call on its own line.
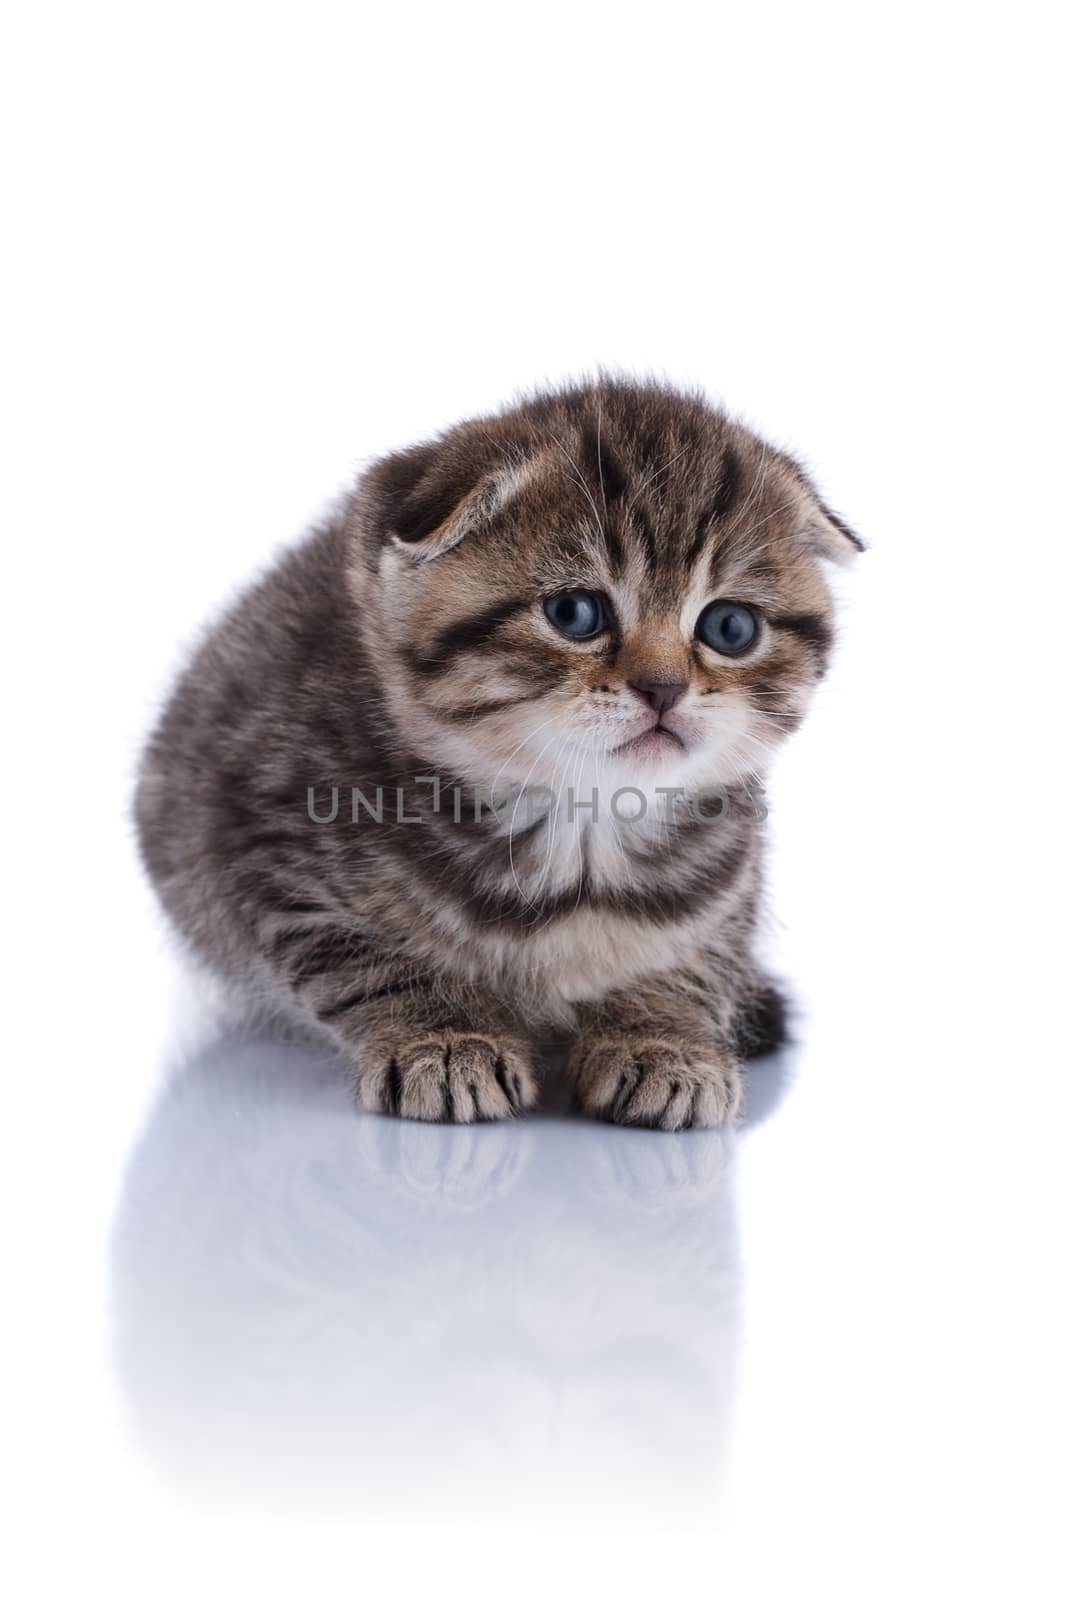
point(727, 627)
point(575, 612)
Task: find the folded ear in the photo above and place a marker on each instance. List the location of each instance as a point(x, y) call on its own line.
point(824, 532)
point(828, 535)
point(426, 499)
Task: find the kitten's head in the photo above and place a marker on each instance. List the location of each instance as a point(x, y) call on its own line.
point(615, 580)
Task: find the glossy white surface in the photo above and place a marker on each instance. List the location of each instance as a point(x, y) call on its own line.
point(316, 1306)
point(257, 1343)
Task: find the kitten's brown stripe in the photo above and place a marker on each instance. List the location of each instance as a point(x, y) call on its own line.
point(469, 633)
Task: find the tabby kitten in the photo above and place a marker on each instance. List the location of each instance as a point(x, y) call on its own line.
point(481, 758)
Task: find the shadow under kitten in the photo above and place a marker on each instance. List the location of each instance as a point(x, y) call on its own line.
point(312, 1304)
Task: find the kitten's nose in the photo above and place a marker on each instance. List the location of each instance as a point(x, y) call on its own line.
point(661, 693)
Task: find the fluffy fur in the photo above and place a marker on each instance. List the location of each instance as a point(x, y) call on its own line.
point(390, 798)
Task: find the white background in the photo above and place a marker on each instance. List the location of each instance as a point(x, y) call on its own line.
point(248, 247)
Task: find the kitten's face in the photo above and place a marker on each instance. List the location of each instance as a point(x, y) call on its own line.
point(614, 585)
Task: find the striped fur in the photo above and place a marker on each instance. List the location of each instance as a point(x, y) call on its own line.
point(402, 654)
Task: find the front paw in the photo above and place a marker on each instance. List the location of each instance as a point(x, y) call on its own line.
point(443, 1076)
point(651, 1081)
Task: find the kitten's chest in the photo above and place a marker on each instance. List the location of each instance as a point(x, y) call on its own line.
point(580, 914)
point(585, 956)
point(586, 932)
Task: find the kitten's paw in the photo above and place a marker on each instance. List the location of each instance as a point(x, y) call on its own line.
point(649, 1081)
point(447, 1077)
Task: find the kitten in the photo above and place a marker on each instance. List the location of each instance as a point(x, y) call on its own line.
point(481, 758)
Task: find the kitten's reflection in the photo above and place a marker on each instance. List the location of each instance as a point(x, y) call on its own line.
point(312, 1303)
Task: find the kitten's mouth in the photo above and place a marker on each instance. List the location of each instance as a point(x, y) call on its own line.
point(659, 740)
